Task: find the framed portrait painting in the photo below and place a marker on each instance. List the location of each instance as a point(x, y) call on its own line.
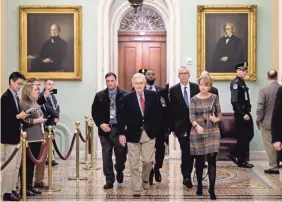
point(226, 37)
point(50, 42)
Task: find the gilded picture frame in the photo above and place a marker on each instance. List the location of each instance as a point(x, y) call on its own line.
point(226, 36)
point(50, 44)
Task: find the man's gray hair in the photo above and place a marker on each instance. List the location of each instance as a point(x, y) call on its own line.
point(184, 67)
point(137, 76)
point(229, 24)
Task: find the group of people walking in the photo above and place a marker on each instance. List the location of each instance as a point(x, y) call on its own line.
point(136, 123)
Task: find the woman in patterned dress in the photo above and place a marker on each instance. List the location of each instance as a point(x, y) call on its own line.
point(205, 114)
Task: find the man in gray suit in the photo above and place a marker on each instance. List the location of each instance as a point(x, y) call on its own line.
point(265, 105)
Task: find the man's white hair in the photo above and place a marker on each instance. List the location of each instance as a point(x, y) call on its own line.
point(138, 76)
point(184, 67)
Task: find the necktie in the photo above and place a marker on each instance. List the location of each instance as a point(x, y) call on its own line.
point(150, 88)
point(186, 96)
point(18, 102)
point(142, 102)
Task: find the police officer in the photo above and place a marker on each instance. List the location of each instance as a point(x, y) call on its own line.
point(240, 101)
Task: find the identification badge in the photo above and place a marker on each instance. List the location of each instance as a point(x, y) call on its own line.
point(163, 102)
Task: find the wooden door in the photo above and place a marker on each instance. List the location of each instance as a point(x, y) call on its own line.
point(136, 52)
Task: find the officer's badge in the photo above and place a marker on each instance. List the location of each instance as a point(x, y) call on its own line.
point(235, 86)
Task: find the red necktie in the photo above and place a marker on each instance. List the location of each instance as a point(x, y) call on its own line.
point(142, 102)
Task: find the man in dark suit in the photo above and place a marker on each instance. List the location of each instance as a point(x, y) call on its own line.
point(228, 52)
point(180, 95)
point(105, 113)
point(52, 53)
point(164, 129)
point(276, 126)
point(138, 126)
point(11, 119)
point(213, 89)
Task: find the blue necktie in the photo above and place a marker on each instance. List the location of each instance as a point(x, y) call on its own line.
point(186, 96)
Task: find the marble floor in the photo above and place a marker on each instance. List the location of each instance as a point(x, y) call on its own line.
point(232, 184)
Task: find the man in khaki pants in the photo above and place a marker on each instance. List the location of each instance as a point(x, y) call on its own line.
point(265, 105)
point(138, 125)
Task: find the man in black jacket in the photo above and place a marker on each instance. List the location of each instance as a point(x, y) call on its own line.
point(164, 129)
point(276, 126)
point(138, 126)
point(11, 118)
point(105, 113)
point(180, 95)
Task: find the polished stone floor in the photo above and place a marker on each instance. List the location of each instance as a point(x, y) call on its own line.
point(233, 184)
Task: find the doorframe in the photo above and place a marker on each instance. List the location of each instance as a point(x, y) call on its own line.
point(151, 37)
point(107, 46)
point(107, 36)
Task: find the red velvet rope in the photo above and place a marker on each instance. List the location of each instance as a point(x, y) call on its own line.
point(43, 155)
point(70, 149)
point(10, 158)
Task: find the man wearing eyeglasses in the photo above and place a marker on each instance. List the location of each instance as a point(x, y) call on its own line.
point(240, 100)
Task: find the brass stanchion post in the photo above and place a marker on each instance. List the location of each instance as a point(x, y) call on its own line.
point(50, 150)
point(77, 155)
point(92, 147)
point(86, 162)
point(24, 135)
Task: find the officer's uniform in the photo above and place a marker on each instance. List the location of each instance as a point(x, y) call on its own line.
point(240, 101)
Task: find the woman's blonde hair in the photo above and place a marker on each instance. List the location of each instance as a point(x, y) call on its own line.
point(206, 79)
point(27, 93)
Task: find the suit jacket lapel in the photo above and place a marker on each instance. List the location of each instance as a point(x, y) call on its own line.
point(180, 94)
point(136, 103)
point(147, 101)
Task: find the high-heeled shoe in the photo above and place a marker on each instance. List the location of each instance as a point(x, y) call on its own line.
point(212, 195)
point(199, 191)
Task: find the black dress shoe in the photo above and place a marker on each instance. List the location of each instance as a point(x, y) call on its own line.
point(158, 176)
point(188, 183)
point(36, 191)
point(54, 163)
point(270, 171)
point(233, 158)
point(119, 177)
point(16, 194)
point(108, 186)
point(10, 197)
point(245, 164)
point(28, 193)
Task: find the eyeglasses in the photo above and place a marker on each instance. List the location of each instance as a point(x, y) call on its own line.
point(184, 73)
point(19, 84)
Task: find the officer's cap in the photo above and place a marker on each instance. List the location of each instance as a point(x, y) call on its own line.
point(142, 71)
point(242, 66)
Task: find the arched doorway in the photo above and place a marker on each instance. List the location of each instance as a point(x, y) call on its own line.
point(107, 46)
point(142, 44)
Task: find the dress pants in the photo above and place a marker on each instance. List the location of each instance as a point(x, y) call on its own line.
point(11, 172)
point(270, 151)
point(186, 159)
point(108, 144)
point(40, 168)
point(160, 150)
point(35, 148)
point(244, 135)
point(145, 148)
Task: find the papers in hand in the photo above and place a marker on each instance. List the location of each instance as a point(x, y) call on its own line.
point(30, 57)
